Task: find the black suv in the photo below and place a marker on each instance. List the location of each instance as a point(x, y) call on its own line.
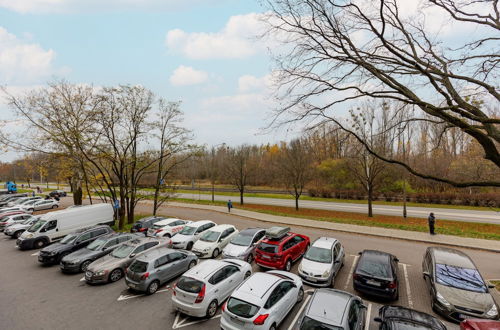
point(145, 223)
point(54, 253)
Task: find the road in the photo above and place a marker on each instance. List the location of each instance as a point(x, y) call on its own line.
point(33, 296)
point(418, 212)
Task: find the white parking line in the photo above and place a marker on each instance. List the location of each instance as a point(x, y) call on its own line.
point(408, 290)
point(349, 276)
point(180, 324)
point(36, 253)
point(299, 312)
point(82, 279)
point(368, 316)
point(130, 296)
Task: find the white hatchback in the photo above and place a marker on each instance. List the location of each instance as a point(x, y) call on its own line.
point(262, 301)
point(186, 238)
point(214, 240)
point(204, 287)
point(167, 227)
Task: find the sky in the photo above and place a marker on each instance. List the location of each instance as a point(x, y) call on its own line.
point(205, 53)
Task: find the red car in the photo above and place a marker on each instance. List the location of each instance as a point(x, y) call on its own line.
point(5, 214)
point(281, 248)
point(478, 324)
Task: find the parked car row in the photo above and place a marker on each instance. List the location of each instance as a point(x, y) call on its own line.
point(27, 204)
point(161, 249)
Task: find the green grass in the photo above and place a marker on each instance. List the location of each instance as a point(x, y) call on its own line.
point(496, 283)
point(128, 226)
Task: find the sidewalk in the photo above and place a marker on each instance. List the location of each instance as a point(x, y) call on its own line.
point(472, 243)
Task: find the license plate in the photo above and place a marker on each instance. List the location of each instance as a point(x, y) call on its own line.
point(312, 279)
point(237, 321)
point(464, 317)
point(374, 283)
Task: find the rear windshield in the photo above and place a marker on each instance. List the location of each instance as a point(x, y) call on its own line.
point(312, 324)
point(374, 267)
point(460, 278)
point(241, 308)
point(138, 266)
point(403, 325)
point(269, 248)
point(189, 285)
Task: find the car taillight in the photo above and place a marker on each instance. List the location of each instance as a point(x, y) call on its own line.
point(392, 285)
point(224, 307)
point(158, 230)
point(260, 319)
point(145, 276)
point(201, 295)
point(143, 229)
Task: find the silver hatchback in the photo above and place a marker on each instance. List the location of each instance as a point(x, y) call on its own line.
point(243, 245)
point(156, 267)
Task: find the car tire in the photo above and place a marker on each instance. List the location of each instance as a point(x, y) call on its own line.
point(192, 264)
point(212, 309)
point(31, 210)
point(85, 265)
point(17, 234)
point(288, 265)
point(54, 206)
point(215, 254)
point(273, 327)
point(250, 258)
point(115, 275)
point(167, 236)
point(152, 287)
point(300, 296)
point(189, 246)
point(39, 243)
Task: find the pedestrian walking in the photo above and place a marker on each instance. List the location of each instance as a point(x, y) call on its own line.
point(432, 221)
point(116, 207)
point(33, 193)
point(229, 206)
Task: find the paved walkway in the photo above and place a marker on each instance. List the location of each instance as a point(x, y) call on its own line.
point(482, 244)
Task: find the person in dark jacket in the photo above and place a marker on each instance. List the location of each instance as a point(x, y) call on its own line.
point(229, 206)
point(432, 221)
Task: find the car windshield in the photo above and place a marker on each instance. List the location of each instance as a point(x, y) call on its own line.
point(319, 255)
point(242, 239)
point(241, 308)
point(97, 244)
point(29, 221)
point(138, 266)
point(460, 278)
point(188, 230)
point(210, 236)
point(157, 226)
point(269, 248)
point(189, 285)
point(34, 227)
point(122, 251)
point(373, 267)
point(312, 324)
point(20, 201)
point(68, 239)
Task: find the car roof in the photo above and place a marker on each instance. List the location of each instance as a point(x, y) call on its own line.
point(452, 257)
point(140, 240)
point(200, 223)
point(379, 256)
point(207, 268)
point(165, 222)
point(155, 253)
point(407, 314)
point(324, 242)
point(250, 231)
point(221, 228)
point(329, 306)
point(149, 218)
point(81, 230)
point(279, 241)
point(255, 289)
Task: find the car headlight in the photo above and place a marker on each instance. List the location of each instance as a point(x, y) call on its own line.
point(51, 254)
point(493, 311)
point(300, 267)
point(441, 300)
point(29, 236)
point(100, 273)
point(206, 250)
point(326, 273)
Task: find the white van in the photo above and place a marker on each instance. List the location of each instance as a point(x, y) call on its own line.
point(55, 225)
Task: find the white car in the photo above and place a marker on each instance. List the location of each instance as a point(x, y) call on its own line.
point(168, 227)
point(214, 240)
point(186, 238)
point(9, 220)
point(39, 205)
point(262, 302)
point(17, 229)
point(23, 200)
point(201, 290)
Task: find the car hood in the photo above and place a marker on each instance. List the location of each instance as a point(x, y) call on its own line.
point(179, 238)
point(235, 250)
point(81, 255)
point(314, 268)
point(201, 245)
point(106, 263)
point(468, 299)
point(17, 226)
point(57, 247)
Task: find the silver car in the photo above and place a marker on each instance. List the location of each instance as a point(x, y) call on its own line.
point(244, 244)
point(23, 200)
point(9, 220)
point(333, 309)
point(38, 205)
point(322, 262)
point(17, 229)
point(156, 267)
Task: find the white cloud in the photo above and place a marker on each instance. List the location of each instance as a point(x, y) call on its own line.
point(23, 62)
point(186, 75)
point(238, 39)
point(248, 83)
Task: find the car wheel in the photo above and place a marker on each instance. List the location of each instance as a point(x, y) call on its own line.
point(300, 297)
point(288, 265)
point(167, 236)
point(192, 264)
point(212, 309)
point(250, 258)
point(115, 275)
point(189, 246)
point(38, 244)
point(153, 287)
point(54, 206)
point(273, 327)
point(215, 254)
point(247, 275)
point(85, 265)
point(31, 210)
point(17, 234)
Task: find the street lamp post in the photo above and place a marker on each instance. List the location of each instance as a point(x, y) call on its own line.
point(404, 177)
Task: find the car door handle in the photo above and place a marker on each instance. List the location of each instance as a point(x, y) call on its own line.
point(216, 291)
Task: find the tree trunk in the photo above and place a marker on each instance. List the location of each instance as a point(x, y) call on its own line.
point(155, 202)
point(297, 202)
point(370, 198)
point(241, 195)
point(77, 195)
point(121, 211)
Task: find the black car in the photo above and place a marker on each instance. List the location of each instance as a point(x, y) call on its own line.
point(145, 223)
point(58, 193)
point(53, 254)
point(79, 260)
point(397, 317)
point(376, 274)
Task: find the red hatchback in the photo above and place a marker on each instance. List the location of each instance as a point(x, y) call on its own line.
point(280, 252)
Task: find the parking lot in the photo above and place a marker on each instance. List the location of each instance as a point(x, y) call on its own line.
point(37, 297)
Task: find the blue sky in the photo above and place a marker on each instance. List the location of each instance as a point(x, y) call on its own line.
point(203, 52)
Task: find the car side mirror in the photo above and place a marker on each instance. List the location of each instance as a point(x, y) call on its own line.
point(491, 286)
point(426, 274)
point(360, 253)
point(396, 259)
point(220, 239)
point(377, 319)
point(104, 248)
point(132, 255)
point(337, 261)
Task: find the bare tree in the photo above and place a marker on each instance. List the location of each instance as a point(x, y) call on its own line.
point(352, 50)
point(240, 165)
